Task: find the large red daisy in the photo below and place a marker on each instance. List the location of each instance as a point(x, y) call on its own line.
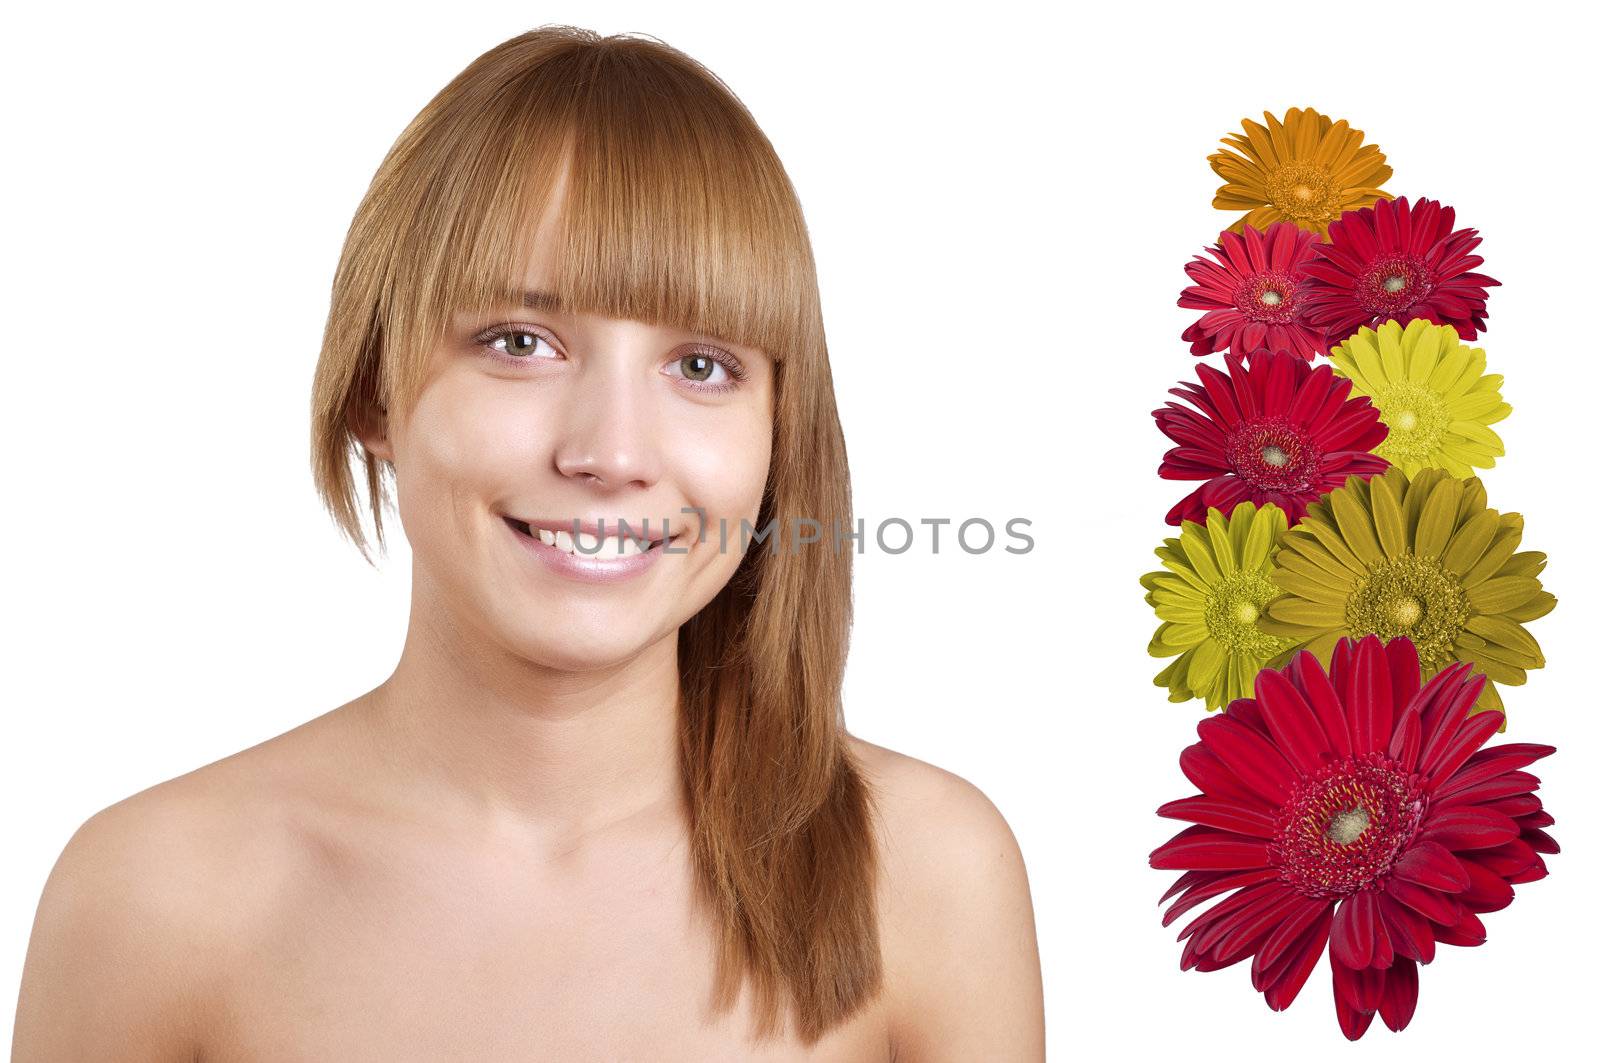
point(1251, 293)
point(1277, 431)
point(1395, 261)
point(1352, 809)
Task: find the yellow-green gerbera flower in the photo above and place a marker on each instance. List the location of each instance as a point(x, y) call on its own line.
point(1430, 389)
point(1420, 556)
point(1218, 579)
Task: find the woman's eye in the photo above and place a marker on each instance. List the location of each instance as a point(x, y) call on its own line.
point(700, 368)
point(518, 344)
point(704, 370)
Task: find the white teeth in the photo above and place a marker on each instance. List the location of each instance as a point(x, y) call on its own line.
point(610, 547)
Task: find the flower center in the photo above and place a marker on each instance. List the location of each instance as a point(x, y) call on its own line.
point(1302, 191)
point(1406, 611)
point(1417, 418)
point(1344, 826)
point(1347, 826)
point(1267, 296)
point(1394, 283)
point(1232, 609)
point(1411, 596)
point(1274, 454)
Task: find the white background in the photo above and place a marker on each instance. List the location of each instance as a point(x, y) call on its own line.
point(1001, 203)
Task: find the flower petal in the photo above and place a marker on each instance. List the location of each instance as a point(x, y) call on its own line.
point(1210, 774)
point(1388, 519)
point(1488, 891)
point(1356, 994)
point(1438, 519)
point(1372, 713)
point(1431, 864)
point(1221, 813)
point(1306, 671)
point(1466, 932)
point(1292, 722)
point(1198, 891)
point(1488, 763)
point(1430, 903)
point(1411, 933)
point(1354, 928)
point(1203, 848)
point(1473, 733)
point(1468, 827)
point(1355, 524)
point(1399, 1001)
point(1300, 959)
point(1252, 758)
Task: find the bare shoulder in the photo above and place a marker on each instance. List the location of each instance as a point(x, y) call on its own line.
point(117, 961)
point(960, 947)
point(135, 923)
point(940, 831)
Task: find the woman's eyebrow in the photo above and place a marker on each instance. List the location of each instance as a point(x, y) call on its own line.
point(535, 299)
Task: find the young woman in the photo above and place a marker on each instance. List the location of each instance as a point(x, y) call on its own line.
point(605, 807)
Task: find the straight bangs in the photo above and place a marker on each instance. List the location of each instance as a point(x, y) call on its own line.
point(674, 210)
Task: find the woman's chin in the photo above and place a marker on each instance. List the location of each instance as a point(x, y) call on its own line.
point(578, 650)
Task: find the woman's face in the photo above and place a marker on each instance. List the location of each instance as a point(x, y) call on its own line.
point(546, 417)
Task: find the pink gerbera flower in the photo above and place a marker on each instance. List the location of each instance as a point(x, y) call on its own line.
point(1393, 261)
point(1352, 810)
point(1277, 431)
point(1251, 294)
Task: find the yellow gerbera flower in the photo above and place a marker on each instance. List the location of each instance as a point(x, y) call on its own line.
point(1417, 556)
point(1430, 389)
point(1307, 169)
point(1217, 582)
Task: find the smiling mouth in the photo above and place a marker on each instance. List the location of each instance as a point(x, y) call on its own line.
point(611, 546)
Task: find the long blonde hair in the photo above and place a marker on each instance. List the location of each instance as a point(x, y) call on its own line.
point(677, 212)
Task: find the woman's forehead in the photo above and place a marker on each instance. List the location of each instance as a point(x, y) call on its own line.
point(564, 248)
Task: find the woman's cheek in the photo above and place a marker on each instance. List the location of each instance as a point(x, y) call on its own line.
point(457, 465)
point(724, 472)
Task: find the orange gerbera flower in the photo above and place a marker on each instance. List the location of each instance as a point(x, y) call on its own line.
point(1307, 169)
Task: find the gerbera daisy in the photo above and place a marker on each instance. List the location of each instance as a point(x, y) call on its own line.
point(1218, 578)
point(1250, 294)
point(1419, 556)
point(1307, 169)
point(1278, 432)
point(1352, 810)
point(1396, 261)
point(1430, 390)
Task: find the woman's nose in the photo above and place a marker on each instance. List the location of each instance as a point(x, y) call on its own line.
point(608, 435)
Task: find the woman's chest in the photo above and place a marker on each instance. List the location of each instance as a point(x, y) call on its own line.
point(397, 962)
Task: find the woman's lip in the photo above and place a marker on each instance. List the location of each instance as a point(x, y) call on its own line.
point(582, 567)
point(645, 529)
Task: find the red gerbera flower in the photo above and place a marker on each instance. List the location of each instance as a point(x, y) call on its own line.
point(1390, 261)
point(1277, 431)
point(1251, 294)
point(1352, 809)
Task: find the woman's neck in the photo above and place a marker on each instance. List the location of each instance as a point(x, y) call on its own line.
point(477, 733)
